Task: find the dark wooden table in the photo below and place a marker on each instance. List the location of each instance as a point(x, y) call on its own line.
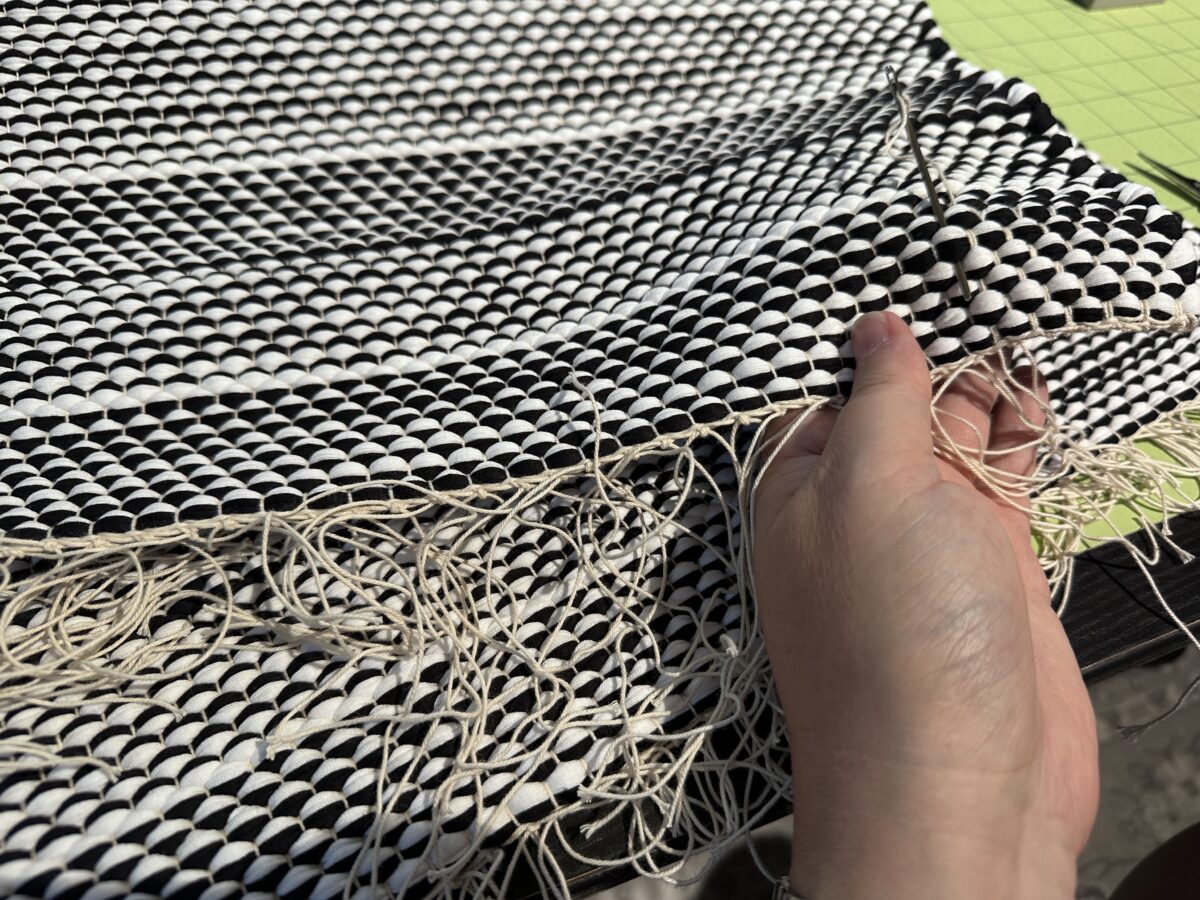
point(1113, 619)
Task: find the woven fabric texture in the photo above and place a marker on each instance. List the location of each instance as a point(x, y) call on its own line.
point(253, 251)
point(378, 388)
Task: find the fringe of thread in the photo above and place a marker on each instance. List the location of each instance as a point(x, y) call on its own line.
point(79, 625)
point(80, 619)
point(1078, 483)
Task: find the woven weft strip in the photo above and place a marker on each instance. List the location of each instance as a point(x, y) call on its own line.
point(381, 388)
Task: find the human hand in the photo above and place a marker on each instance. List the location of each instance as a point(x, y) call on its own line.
point(943, 742)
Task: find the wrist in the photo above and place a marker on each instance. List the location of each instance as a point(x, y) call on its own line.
point(930, 865)
point(954, 839)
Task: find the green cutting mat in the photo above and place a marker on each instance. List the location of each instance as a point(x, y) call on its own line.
point(1122, 81)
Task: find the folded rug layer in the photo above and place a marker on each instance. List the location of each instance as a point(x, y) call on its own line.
point(381, 387)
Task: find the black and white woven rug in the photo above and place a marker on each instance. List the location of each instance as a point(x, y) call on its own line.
point(379, 387)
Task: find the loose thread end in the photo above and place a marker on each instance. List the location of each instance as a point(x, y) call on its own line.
point(426, 571)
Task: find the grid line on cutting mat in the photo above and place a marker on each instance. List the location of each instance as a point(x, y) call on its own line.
point(1122, 81)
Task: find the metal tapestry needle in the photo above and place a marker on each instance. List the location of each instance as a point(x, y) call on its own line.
point(935, 203)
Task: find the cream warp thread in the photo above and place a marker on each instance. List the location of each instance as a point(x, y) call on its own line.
point(897, 131)
point(420, 582)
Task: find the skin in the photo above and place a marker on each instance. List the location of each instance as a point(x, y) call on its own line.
point(943, 742)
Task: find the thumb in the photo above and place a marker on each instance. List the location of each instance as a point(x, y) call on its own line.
point(886, 424)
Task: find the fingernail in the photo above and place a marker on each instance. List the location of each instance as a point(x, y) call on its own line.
point(871, 332)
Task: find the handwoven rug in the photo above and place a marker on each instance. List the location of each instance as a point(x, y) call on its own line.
point(382, 389)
